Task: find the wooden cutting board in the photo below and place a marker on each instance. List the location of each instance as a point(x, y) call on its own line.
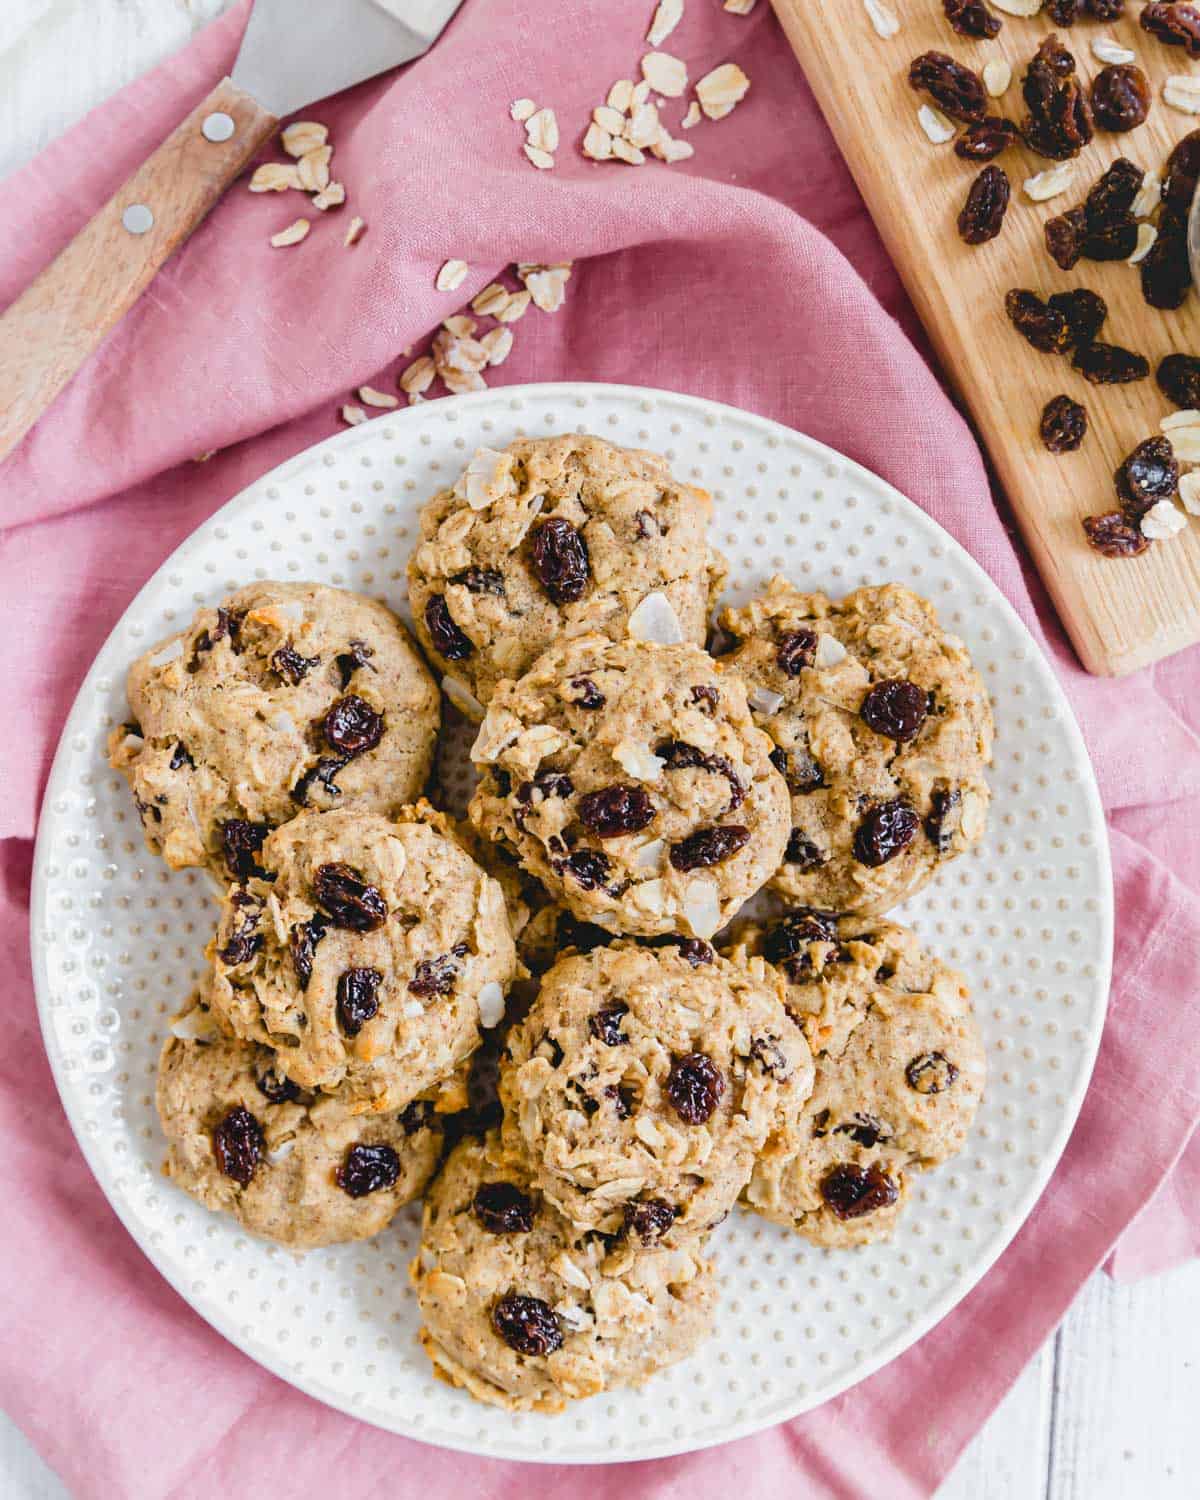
point(1121, 613)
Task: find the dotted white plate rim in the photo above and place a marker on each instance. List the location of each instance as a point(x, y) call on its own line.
point(667, 1416)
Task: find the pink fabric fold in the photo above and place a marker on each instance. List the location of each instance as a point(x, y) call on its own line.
point(750, 274)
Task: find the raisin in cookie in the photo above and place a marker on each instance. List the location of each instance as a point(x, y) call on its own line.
point(301, 1168)
point(899, 1074)
point(551, 536)
point(883, 730)
point(364, 952)
point(524, 1312)
point(633, 783)
point(289, 695)
point(642, 1083)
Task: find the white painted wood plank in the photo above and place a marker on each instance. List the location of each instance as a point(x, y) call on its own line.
point(1008, 1459)
point(23, 1475)
point(60, 58)
point(1127, 1392)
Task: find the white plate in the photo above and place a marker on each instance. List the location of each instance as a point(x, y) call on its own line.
point(117, 939)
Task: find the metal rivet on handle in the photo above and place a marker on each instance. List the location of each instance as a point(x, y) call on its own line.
point(218, 127)
point(138, 219)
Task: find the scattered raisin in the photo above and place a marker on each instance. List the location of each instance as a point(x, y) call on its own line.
point(302, 941)
point(1182, 174)
point(1065, 234)
point(694, 1086)
point(649, 1219)
point(240, 842)
point(706, 697)
point(291, 666)
point(480, 581)
point(1037, 322)
point(276, 1087)
point(352, 726)
point(1109, 364)
point(1104, 10)
point(709, 846)
point(1115, 241)
point(1120, 97)
point(786, 941)
point(367, 1169)
point(323, 773)
point(436, 976)
point(528, 1325)
point(887, 830)
point(931, 1073)
point(180, 757)
point(616, 810)
point(545, 784)
point(796, 651)
point(502, 1208)
point(1084, 310)
point(985, 139)
point(590, 868)
point(1178, 377)
point(971, 18)
point(982, 215)
point(348, 899)
point(590, 696)
point(448, 640)
point(802, 852)
point(895, 708)
point(1059, 122)
point(357, 998)
point(945, 817)
point(770, 1056)
point(1113, 536)
point(852, 1191)
point(1063, 12)
point(245, 940)
point(1148, 475)
point(954, 88)
point(560, 560)
point(238, 1145)
point(866, 1130)
point(695, 950)
point(1064, 424)
point(1174, 25)
point(349, 661)
point(1110, 198)
point(605, 1025)
point(1166, 271)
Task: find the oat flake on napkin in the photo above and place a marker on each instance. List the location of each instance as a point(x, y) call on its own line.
point(750, 274)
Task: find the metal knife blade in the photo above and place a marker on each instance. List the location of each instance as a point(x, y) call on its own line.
point(295, 53)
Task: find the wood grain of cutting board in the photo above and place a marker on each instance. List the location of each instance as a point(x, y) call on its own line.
point(1121, 613)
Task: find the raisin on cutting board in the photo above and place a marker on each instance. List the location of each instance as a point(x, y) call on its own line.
point(1174, 25)
point(1109, 364)
point(982, 215)
point(1120, 97)
point(1113, 536)
point(953, 87)
point(1037, 322)
point(1059, 120)
point(1064, 424)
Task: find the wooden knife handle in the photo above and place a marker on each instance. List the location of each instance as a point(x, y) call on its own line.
point(48, 332)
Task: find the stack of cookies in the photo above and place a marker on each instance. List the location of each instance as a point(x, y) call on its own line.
point(558, 1020)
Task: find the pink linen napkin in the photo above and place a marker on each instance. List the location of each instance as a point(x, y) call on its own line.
point(750, 274)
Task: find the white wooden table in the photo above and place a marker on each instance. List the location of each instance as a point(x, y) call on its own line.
point(1107, 1410)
